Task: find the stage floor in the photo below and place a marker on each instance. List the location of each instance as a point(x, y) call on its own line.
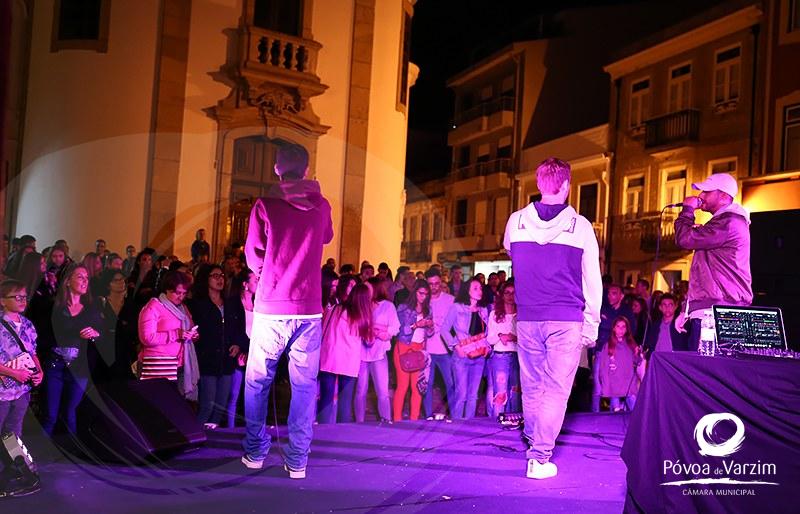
point(424, 466)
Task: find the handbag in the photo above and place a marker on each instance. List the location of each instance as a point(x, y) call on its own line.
point(23, 360)
point(412, 361)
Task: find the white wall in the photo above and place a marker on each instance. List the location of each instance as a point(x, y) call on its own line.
point(332, 26)
point(85, 152)
point(197, 183)
point(382, 229)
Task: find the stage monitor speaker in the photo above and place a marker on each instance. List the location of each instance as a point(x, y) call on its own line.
point(137, 421)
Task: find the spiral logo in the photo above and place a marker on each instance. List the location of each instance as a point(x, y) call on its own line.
point(705, 428)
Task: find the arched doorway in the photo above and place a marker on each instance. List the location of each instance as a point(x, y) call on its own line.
point(251, 177)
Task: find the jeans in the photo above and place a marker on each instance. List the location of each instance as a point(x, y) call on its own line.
point(302, 341)
point(468, 373)
point(379, 371)
point(213, 398)
point(630, 401)
point(405, 381)
point(233, 400)
point(12, 413)
point(548, 353)
point(444, 363)
point(343, 412)
point(505, 381)
point(61, 385)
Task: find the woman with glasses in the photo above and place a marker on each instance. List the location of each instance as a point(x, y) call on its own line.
point(118, 352)
point(77, 324)
point(503, 364)
point(217, 351)
point(165, 330)
point(416, 326)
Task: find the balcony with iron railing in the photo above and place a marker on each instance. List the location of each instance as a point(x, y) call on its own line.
point(503, 103)
point(672, 129)
point(644, 229)
point(415, 251)
point(482, 119)
point(482, 169)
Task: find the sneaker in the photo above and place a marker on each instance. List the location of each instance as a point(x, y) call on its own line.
point(539, 471)
point(295, 473)
point(210, 426)
point(252, 463)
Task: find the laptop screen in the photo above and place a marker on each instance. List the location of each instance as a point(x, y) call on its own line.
point(749, 327)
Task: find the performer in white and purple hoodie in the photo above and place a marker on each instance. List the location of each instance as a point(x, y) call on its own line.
point(555, 258)
point(287, 231)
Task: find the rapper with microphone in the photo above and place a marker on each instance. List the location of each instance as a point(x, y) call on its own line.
point(720, 271)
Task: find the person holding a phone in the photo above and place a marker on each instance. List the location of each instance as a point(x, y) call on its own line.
point(166, 331)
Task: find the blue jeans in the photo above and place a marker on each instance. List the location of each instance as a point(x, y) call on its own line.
point(379, 371)
point(344, 400)
point(505, 380)
point(444, 363)
point(301, 339)
point(213, 398)
point(61, 385)
point(468, 373)
point(12, 414)
point(548, 353)
point(233, 400)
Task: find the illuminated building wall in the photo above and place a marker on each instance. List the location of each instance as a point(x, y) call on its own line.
point(172, 126)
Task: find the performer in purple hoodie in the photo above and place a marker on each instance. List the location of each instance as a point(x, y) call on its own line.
point(287, 231)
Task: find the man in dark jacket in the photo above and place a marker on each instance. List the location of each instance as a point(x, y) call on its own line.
point(720, 271)
point(661, 333)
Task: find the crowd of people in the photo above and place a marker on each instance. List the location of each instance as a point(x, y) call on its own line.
point(431, 344)
point(221, 331)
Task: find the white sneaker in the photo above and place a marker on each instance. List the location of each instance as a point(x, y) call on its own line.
point(252, 463)
point(295, 473)
point(540, 471)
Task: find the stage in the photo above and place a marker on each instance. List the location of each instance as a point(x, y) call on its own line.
point(424, 466)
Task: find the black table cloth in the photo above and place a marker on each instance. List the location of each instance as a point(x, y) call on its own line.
point(751, 439)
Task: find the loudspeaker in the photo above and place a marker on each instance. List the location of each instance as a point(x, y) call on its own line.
point(137, 421)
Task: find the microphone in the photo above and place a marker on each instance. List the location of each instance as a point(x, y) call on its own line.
point(673, 205)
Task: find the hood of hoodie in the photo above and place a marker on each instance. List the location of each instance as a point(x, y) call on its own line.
point(735, 208)
point(542, 231)
point(303, 195)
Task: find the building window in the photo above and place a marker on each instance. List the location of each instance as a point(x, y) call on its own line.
point(405, 58)
point(483, 153)
point(438, 225)
point(80, 25)
point(413, 235)
point(587, 201)
point(794, 15)
point(463, 156)
point(727, 71)
point(504, 147)
point(425, 227)
point(673, 187)
point(791, 138)
point(634, 196)
point(508, 86)
point(640, 103)
point(279, 16)
point(680, 87)
point(460, 227)
point(486, 93)
point(727, 165)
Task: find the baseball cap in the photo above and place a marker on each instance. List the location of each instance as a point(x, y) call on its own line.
point(718, 182)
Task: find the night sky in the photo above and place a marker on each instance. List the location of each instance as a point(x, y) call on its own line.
point(450, 35)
